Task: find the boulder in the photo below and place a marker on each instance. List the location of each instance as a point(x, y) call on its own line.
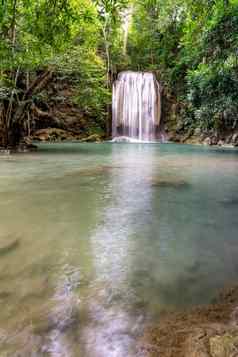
point(220, 143)
point(52, 134)
point(214, 140)
point(207, 141)
point(92, 138)
point(234, 139)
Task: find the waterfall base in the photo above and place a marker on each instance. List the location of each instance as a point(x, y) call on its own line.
point(127, 139)
point(136, 107)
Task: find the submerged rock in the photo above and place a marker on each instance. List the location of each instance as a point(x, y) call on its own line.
point(8, 244)
point(170, 183)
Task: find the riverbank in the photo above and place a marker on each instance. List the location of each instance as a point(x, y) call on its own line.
point(204, 331)
point(211, 138)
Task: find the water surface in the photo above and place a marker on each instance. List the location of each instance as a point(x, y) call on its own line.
point(110, 236)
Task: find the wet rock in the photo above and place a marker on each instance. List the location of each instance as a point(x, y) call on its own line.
point(214, 140)
point(220, 143)
point(92, 138)
point(207, 141)
point(8, 244)
point(234, 139)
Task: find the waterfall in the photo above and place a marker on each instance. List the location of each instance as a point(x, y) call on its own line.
point(136, 106)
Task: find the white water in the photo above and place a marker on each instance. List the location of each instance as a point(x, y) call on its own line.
point(136, 106)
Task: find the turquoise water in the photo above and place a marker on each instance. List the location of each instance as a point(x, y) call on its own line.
point(110, 236)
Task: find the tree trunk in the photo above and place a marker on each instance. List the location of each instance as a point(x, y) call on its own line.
point(13, 121)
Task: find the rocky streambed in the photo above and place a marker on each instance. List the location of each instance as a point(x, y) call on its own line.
point(204, 331)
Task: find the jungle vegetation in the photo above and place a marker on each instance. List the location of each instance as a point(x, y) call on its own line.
point(191, 45)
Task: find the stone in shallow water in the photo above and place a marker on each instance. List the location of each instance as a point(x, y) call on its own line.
point(170, 183)
point(8, 244)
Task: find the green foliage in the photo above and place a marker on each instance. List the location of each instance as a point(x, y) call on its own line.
point(42, 37)
point(212, 85)
point(193, 46)
point(33, 31)
point(110, 13)
point(87, 71)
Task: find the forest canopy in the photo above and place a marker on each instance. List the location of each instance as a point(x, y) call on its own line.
point(192, 46)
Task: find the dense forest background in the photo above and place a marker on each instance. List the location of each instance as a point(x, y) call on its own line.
point(58, 59)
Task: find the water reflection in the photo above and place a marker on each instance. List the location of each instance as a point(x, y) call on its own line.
point(114, 324)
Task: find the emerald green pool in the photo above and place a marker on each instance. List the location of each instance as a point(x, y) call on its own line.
point(109, 236)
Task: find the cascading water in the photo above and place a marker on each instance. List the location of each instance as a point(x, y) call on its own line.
point(136, 106)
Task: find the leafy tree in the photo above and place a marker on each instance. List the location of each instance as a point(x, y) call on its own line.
point(110, 15)
point(192, 46)
point(34, 35)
